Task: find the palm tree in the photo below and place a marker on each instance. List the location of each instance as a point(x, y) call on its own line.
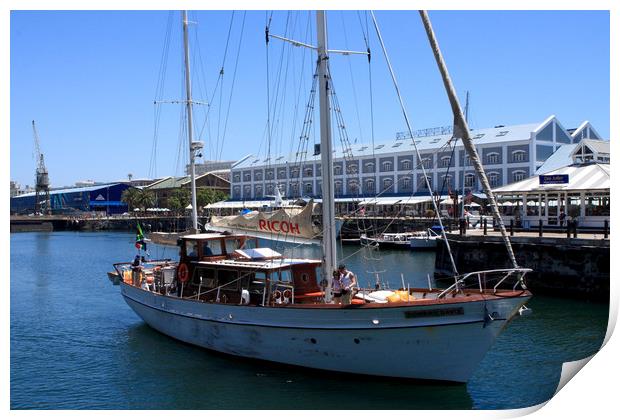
point(131, 197)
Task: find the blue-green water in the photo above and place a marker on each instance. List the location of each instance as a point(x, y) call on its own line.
point(76, 344)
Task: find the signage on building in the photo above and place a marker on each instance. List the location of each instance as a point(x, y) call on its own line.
point(553, 179)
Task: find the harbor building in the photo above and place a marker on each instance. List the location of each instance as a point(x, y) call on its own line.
point(165, 187)
point(391, 168)
point(100, 198)
point(573, 185)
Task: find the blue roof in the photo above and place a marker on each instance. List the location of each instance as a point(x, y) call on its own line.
point(425, 144)
point(76, 189)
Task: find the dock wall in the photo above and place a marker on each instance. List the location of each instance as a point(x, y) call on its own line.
point(562, 266)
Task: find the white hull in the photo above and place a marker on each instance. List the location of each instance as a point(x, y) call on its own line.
point(427, 243)
point(428, 345)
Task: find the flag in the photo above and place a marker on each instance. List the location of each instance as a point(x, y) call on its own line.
point(140, 242)
point(468, 197)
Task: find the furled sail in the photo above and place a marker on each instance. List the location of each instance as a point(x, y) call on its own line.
point(292, 224)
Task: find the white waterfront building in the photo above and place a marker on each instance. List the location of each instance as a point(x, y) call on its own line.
point(390, 168)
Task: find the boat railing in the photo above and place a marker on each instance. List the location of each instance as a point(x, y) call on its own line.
point(480, 277)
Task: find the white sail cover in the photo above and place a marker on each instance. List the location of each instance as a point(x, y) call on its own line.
point(286, 224)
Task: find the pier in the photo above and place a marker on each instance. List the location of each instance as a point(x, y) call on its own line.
point(562, 266)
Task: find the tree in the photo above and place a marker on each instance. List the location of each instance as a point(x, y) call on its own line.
point(205, 196)
point(146, 199)
point(131, 197)
point(179, 200)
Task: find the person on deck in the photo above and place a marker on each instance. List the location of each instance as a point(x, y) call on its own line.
point(336, 287)
point(348, 284)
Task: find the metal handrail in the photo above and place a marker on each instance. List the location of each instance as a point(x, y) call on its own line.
point(460, 280)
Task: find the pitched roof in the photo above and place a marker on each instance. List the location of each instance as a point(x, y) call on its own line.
point(583, 177)
point(483, 136)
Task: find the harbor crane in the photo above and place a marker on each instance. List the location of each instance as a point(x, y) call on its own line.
point(42, 182)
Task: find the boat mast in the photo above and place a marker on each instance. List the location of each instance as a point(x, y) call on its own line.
point(327, 172)
point(461, 130)
point(190, 128)
point(463, 186)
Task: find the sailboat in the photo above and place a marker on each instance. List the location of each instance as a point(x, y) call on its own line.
point(228, 294)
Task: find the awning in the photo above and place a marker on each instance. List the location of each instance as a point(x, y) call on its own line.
point(400, 200)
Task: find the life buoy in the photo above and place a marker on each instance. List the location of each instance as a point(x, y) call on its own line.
point(277, 295)
point(287, 294)
point(183, 273)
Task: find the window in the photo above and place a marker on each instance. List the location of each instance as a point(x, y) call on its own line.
point(406, 164)
point(543, 152)
point(387, 183)
point(236, 177)
point(469, 180)
point(447, 180)
point(518, 156)
point(308, 171)
point(518, 176)
point(294, 189)
point(259, 191)
point(353, 187)
point(370, 185)
point(338, 188)
point(337, 170)
point(386, 166)
point(478, 136)
point(247, 177)
point(361, 149)
point(492, 158)
point(258, 176)
point(294, 172)
point(352, 168)
point(370, 167)
point(501, 134)
point(269, 174)
point(397, 144)
point(282, 173)
point(423, 182)
point(406, 182)
point(270, 189)
point(445, 161)
point(379, 146)
point(427, 163)
point(467, 160)
point(247, 190)
point(494, 179)
point(435, 140)
point(308, 188)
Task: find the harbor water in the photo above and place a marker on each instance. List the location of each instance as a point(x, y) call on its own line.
point(75, 344)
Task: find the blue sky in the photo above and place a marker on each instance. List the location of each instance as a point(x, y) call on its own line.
point(89, 80)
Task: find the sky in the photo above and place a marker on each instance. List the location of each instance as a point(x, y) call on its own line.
point(90, 78)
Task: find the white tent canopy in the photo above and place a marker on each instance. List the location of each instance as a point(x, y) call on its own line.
point(592, 177)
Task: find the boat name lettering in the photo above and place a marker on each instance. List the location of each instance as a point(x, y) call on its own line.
point(434, 312)
point(279, 226)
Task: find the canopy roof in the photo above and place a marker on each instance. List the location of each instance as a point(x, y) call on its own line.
point(588, 177)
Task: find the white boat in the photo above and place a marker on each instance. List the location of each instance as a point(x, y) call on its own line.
point(424, 240)
point(228, 295)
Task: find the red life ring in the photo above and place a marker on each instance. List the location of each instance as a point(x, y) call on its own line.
point(183, 273)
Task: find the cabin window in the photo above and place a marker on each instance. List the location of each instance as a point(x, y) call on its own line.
point(211, 248)
point(191, 249)
point(284, 276)
point(207, 276)
point(226, 279)
point(232, 245)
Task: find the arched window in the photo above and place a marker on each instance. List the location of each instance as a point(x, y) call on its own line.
point(308, 188)
point(386, 166)
point(445, 161)
point(387, 183)
point(337, 169)
point(469, 180)
point(406, 164)
point(518, 176)
point(427, 163)
point(308, 171)
point(370, 185)
point(370, 167)
point(353, 186)
point(494, 179)
point(518, 156)
point(338, 188)
point(352, 168)
point(406, 182)
point(493, 158)
point(447, 180)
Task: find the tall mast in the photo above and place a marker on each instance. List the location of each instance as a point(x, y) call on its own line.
point(327, 172)
point(463, 186)
point(190, 128)
point(461, 129)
